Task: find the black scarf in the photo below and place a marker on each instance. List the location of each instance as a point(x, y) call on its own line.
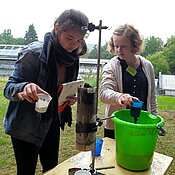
point(56, 54)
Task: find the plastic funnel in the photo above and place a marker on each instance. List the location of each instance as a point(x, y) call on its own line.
point(135, 109)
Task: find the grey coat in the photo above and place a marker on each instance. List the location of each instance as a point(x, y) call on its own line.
point(21, 120)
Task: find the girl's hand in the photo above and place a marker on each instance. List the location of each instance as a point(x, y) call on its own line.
point(126, 99)
point(71, 100)
point(30, 92)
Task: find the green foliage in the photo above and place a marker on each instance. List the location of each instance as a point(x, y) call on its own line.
point(104, 52)
point(31, 34)
point(160, 63)
point(19, 41)
point(163, 59)
point(7, 38)
point(169, 53)
point(93, 53)
point(170, 41)
point(152, 45)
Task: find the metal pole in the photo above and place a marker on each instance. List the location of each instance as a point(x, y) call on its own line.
point(92, 27)
point(98, 64)
point(97, 85)
point(93, 158)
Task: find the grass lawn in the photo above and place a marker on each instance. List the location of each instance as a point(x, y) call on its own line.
point(166, 144)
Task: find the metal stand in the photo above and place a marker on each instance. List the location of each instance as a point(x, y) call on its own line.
point(91, 28)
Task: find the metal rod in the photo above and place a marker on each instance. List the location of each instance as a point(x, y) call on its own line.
point(97, 82)
point(102, 168)
point(93, 158)
point(97, 85)
point(100, 119)
point(98, 64)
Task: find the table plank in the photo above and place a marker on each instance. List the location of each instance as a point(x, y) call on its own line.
point(159, 166)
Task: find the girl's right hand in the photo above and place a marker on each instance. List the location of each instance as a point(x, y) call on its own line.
point(30, 92)
point(126, 99)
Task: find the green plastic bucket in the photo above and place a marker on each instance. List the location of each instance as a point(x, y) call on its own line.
point(135, 143)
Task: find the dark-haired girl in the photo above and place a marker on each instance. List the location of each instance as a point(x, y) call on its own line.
point(42, 68)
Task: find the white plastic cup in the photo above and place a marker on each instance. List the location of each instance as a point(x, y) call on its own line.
point(42, 104)
point(82, 172)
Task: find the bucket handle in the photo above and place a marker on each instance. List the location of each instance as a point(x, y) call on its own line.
point(162, 131)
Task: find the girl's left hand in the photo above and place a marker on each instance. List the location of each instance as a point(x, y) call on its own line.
point(71, 100)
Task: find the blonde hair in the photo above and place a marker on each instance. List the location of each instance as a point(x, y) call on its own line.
point(132, 34)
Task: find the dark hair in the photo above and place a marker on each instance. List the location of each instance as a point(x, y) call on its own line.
point(132, 34)
point(73, 19)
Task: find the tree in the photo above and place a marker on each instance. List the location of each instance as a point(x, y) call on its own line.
point(19, 41)
point(31, 35)
point(169, 54)
point(170, 41)
point(152, 45)
point(93, 53)
point(6, 37)
point(104, 52)
point(160, 63)
point(164, 61)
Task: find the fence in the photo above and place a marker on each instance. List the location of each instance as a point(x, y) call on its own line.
point(166, 85)
point(7, 50)
point(87, 66)
point(6, 66)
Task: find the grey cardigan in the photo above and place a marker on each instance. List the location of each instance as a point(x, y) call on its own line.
point(111, 88)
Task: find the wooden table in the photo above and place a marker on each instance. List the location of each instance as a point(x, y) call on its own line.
point(159, 166)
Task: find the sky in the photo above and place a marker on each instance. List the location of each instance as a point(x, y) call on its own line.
point(150, 17)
